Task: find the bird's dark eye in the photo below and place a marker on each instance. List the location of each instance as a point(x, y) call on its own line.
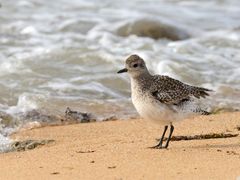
point(135, 65)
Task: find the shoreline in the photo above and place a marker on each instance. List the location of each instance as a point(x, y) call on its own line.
point(119, 150)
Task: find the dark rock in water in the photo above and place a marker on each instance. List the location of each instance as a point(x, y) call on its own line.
point(28, 144)
point(153, 29)
point(78, 116)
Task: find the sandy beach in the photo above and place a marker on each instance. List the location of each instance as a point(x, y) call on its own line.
point(119, 150)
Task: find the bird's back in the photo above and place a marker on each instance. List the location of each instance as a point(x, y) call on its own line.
point(171, 91)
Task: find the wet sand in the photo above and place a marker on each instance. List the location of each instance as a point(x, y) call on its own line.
point(119, 150)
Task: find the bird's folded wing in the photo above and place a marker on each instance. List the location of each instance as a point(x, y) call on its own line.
point(171, 91)
point(170, 97)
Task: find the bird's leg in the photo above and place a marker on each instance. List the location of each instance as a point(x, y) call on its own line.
point(159, 145)
point(170, 135)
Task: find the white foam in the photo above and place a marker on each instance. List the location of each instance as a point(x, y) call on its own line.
point(4, 143)
point(10, 66)
point(30, 30)
point(27, 102)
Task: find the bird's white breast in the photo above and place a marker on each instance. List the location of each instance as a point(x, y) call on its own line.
point(151, 109)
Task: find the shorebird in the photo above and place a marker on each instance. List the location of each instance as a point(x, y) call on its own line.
point(161, 98)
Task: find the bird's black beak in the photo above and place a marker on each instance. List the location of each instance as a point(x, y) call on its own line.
point(123, 70)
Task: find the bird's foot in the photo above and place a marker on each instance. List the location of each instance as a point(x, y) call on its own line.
point(159, 146)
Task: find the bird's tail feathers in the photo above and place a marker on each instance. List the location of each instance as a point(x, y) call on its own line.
point(199, 92)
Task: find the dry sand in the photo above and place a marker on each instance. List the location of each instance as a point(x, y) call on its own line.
point(119, 150)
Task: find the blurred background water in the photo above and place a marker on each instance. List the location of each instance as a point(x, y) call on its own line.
point(58, 54)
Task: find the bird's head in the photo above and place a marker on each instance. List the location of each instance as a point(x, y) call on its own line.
point(135, 66)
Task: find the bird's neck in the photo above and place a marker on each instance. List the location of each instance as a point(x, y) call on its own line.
point(141, 81)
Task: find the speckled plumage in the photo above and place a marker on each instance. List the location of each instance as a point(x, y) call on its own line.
point(168, 90)
point(161, 98)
